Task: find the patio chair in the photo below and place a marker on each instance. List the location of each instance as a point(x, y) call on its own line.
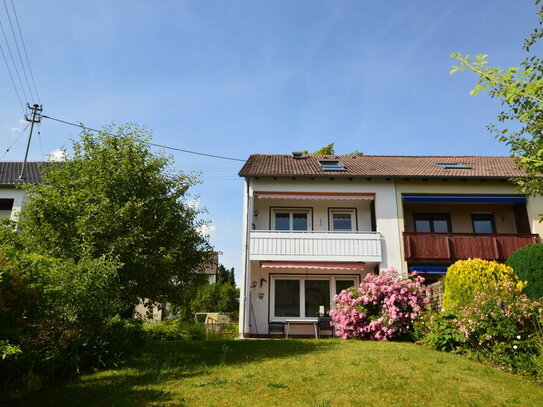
point(325, 324)
point(276, 327)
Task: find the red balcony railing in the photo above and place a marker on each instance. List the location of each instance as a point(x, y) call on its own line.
point(460, 246)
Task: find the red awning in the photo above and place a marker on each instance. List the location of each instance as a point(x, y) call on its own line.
point(323, 265)
point(315, 195)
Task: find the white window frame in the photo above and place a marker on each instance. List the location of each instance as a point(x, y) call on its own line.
point(302, 278)
point(350, 211)
point(291, 212)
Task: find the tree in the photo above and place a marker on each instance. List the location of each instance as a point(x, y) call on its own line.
point(520, 90)
point(225, 275)
point(115, 199)
point(326, 150)
point(218, 297)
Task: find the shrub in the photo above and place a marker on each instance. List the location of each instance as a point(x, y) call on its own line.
point(174, 329)
point(438, 330)
point(60, 316)
point(502, 326)
point(528, 265)
point(218, 297)
point(383, 307)
point(467, 277)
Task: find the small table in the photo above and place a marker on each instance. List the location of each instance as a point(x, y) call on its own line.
point(309, 321)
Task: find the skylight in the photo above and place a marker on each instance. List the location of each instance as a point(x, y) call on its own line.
point(454, 166)
point(332, 165)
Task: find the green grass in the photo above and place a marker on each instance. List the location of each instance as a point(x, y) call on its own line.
point(325, 373)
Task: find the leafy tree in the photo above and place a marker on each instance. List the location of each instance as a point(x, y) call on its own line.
point(218, 297)
point(226, 276)
point(520, 90)
point(326, 150)
point(115, 199)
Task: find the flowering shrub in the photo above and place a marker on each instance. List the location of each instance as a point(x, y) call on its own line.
point(383, 307)
point(467, 277)
point(502, 326)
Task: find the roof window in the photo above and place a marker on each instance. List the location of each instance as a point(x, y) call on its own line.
point(332, 165)
point(454, 166)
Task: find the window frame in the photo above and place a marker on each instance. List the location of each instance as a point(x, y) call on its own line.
point(354, 219)
point(446, 215)
point(491, 218)
point(291, 210)
point(332, 278)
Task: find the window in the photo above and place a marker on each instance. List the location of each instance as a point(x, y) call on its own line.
point(291, 219)
point(305, 296)
point(342, 220)
point(454, 166)
point(287, 298)
point(483, 223)
point(432, 222)
point(343, 285)
point(332, 165)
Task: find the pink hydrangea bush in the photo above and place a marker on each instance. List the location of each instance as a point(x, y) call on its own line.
point(383, 307)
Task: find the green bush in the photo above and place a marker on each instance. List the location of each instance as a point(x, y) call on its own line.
point(528, 265)
point(218, 297)
point(467, 277)
point(503, 327)
point(173, 330)
point(438, 331)
point(60, 316)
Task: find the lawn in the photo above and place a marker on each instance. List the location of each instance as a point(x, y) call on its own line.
point(316, 373)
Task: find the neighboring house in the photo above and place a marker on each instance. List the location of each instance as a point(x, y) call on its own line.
point(314, 225)
point(11, 195)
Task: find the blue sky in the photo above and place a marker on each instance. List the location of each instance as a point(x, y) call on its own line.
point(241, 77)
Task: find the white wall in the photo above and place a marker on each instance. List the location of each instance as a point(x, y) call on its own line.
point(385, 206)
point(18, 197)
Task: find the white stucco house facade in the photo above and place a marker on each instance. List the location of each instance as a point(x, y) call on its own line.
point(315, 225)
point(12, 196)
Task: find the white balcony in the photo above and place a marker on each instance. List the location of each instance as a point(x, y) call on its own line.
point(315, 246)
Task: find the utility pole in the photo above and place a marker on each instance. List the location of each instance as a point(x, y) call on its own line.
point(34, 118)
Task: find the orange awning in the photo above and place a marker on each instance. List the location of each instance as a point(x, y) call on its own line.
point(323, 265)
point(315, 195)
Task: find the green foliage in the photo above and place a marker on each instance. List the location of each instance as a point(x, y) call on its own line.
point(504, 327)
point(528, 265)
point(218, 297)
point(326, 150)
point(8, 351)
point(225, 275)
point(520, 91)
point(174, 329)
point(115, 199)
point(57, 317)
point(438, 330)
point(467, 277)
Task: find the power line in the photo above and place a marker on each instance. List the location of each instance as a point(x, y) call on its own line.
point(26, 53)
point(12, 80)
point(146, 142)
point(18, 51)
point(13, 61)
point(15, 141)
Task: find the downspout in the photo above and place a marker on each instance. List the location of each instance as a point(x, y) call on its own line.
point(248, 221)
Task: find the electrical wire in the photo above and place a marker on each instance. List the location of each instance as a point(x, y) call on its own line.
point(25, 52)
point(15, 141)
point(145, 142)
point(13, 61)
point(19, 51)
point(12, 80)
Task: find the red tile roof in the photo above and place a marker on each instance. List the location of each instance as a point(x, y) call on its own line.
point(381, 166)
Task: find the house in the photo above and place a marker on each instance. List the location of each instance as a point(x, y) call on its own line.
point(315, 225)
point(11, 195)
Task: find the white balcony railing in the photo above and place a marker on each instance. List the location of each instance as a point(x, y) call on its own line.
point(315, 246)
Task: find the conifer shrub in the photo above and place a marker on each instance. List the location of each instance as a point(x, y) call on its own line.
point(467, 277)
point(528, 265)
